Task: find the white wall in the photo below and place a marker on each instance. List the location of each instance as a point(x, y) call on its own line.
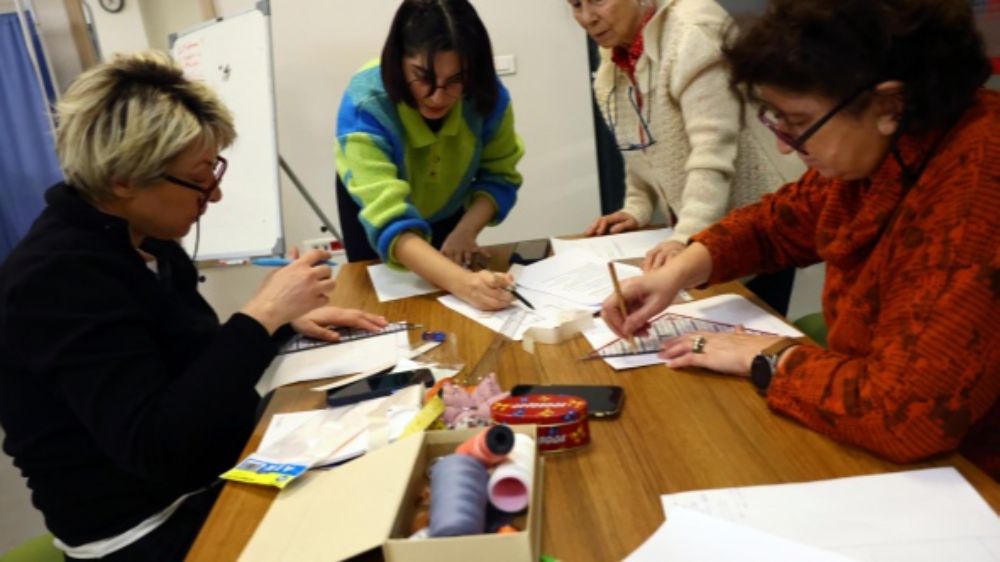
point(123, 32)
point(163, 17)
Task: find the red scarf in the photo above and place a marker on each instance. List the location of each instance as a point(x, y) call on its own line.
point(626, 59)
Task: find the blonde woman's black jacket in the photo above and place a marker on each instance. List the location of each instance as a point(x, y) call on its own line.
point(119, 389)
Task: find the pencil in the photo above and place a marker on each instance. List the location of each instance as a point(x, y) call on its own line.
point(621, 299)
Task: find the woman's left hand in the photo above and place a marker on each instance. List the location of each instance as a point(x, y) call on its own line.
point(460, 247)
point(660, 254)
point(728, 353)
point(316, 323)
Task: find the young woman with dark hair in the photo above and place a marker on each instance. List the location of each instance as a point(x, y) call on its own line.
point(884, 102)
point(427, 153)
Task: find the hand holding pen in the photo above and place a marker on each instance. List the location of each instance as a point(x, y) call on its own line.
point(291, 291)
point(513, 290)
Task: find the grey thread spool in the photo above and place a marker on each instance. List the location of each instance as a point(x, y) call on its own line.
point(458, 496)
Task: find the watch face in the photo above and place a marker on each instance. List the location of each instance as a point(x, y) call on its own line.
point(113, 6)
point(760, 372)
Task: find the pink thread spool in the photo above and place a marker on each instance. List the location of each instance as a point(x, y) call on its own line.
point(509, 487)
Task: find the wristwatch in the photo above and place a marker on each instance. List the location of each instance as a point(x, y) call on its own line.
point(766, 362)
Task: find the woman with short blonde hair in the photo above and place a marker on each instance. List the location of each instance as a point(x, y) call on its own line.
point(122, 397)
point(128, 119)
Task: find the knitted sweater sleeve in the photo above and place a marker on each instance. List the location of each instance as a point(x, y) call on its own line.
point(700, 84)
point(639, 197)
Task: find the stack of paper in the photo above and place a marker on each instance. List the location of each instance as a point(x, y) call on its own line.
point(576, 276)
point(572, 281)
point(616, 246)
point(930, 515)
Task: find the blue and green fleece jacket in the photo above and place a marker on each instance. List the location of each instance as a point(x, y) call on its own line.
point(404, 176)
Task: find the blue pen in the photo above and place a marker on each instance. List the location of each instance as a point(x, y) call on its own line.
point(281, 262)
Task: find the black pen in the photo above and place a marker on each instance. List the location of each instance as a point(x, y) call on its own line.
point(520, 297)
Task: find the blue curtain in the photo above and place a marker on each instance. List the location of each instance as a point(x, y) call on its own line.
point(28, 163)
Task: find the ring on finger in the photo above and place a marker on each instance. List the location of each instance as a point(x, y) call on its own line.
point(698, 344)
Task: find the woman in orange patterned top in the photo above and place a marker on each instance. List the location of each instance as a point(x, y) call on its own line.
point(884, 103)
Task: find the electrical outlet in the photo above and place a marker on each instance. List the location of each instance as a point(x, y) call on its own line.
point(328, 244)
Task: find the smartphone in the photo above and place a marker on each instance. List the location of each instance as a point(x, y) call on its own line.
point(530, 251)
point(603, 401)
point(377, 386)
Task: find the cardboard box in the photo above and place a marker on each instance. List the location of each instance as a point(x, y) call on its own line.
point(369, 502)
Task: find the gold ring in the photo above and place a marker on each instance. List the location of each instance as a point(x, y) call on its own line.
point(698, 344)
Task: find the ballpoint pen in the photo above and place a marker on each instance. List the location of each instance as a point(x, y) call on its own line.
point(520, 297)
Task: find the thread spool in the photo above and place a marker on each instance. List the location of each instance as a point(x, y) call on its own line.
point(510, 484)
point(458, 496)
point(490, 446)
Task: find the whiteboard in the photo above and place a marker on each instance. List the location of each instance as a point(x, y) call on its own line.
point(233, 57)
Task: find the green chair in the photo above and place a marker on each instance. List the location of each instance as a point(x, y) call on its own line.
point(814, 326)
point(38, 549)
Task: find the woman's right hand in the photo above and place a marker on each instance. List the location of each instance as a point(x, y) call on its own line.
point(644, 297)
point(485, 290)
point(292, 291)
point(616, 222)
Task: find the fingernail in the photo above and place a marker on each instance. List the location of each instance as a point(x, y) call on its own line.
point(669, 363)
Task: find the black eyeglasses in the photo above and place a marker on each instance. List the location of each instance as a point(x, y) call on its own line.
point(218, 170)
point(452, 87)
point(797, 143)
point(624, 143)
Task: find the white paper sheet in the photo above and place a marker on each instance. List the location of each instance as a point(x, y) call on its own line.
point(393, 285)
point(730, 309)
point(334, 360)
point(615, 246)
point(399, 416)
point(913, 516)
point(575, 275)
point(691, 536)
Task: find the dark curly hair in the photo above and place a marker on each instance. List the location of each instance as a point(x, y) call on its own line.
point(837, 47)
point(432, 26)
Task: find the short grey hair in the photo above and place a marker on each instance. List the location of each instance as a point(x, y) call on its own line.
point(125, 121)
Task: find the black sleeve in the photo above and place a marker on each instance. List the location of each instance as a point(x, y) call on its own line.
point(182, 427)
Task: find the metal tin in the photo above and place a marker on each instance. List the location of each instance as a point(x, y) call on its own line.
point(561, 419)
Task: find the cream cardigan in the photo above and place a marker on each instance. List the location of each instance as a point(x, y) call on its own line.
point(703, 162)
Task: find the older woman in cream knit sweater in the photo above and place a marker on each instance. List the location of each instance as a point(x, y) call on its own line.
point(664, 92)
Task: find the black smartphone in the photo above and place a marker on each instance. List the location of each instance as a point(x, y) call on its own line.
point(376, 386)
point(603, 401)
point(530, 251)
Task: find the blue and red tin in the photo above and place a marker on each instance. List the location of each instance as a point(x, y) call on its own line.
point(561, 419)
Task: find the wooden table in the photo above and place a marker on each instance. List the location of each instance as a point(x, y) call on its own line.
point(678, 431)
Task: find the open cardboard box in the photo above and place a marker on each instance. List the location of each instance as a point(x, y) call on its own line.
point(370, 502)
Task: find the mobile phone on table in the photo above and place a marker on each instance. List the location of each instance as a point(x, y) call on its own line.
point(603, 401)
point(377, 386)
